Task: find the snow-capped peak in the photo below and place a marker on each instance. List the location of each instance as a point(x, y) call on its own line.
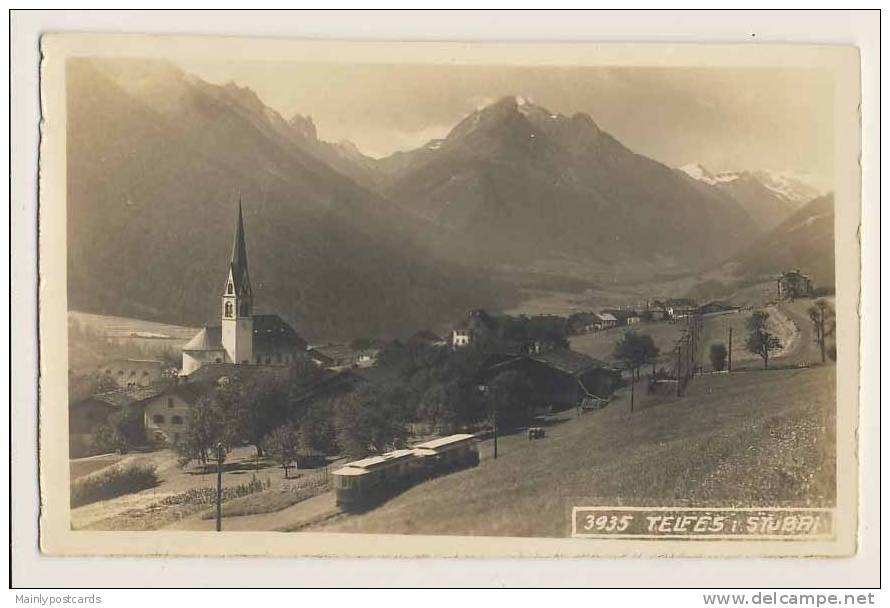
point(787, 185)
point(698, 172)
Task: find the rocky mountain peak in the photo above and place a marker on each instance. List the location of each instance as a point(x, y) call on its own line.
point(304, 125)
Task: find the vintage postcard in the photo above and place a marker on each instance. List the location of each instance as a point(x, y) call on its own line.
point(315, 298)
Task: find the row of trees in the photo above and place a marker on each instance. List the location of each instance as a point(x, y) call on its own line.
point(418, 384)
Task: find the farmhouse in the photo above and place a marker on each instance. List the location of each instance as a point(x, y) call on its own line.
point(604, 320)
point(128, 373)
point(342, 356)
point(625, 316)
point(87, 415)
point(794, 284)
point(166, 415)
point(242, 338)
point(560, 378)
point(476, 326)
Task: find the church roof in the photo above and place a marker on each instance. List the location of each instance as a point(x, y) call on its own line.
point(271, 333)
point(208, 339)
point(238, 265)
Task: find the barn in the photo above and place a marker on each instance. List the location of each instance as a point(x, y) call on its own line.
point(560, 378)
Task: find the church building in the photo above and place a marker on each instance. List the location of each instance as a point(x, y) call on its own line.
point(242, 338)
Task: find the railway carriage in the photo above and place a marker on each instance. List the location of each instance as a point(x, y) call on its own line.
point(362, 483)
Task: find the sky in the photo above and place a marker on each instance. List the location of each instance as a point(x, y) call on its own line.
point(724, 118)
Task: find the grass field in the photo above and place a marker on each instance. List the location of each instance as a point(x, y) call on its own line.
point(93, 339)
point(601, 344)
point(747, 439)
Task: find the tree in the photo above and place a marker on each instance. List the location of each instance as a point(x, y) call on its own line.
point(120, 432)
point(108, 439)
point(636, 350)
point(317, 433)
point(823, 318)
point(443, 405)
point(510, 398)
point(253, 407)
point(718, 354)
point(760, 341)
point(207, 428)
point(368, 422)
point(282, 446)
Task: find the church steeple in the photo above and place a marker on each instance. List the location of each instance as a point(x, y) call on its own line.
point(237, 301)
point(238, 266)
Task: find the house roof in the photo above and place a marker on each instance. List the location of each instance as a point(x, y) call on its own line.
point(334, 352)
point(208, 339)
point(272, 333)
point(128, 396)
point(567, 361)
point(605, 316)
point(621, 313)
point(212, 372)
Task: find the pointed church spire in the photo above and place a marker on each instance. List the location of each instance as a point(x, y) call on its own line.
point(239, 257)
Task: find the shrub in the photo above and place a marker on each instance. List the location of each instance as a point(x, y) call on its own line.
point(113, 481)
point(718, 355)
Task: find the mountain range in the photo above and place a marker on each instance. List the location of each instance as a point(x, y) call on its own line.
point(768, 197)
point(157, 160)
point(804, 240)
point(346, 245)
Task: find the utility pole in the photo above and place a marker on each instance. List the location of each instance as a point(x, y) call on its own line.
point(730, 349)
point(219, 457)
point(495, 428)
point(679, 348)
point(632, 382)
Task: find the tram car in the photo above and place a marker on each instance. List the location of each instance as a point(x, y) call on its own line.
point(363, 483)
point(447, 454)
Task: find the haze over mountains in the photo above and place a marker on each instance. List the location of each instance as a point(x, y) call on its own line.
point(345, 245)
point(157, 160)
point(767, 197)
point(805, 239)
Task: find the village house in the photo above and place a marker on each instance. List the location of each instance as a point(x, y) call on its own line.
point(129, 373)
point(85, 416)
point(624, 316)
point(478, 325)
point(242, 338)
point(560, 378)
point(604, 320)
point(342, 356)
point(794, 284)
point(166, 415)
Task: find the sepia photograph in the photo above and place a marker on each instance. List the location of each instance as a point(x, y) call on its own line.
point(598, 297)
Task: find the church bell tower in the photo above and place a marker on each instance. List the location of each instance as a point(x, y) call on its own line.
point(237, 302)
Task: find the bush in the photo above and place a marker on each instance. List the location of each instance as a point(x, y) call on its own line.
point(113, 481)
point(718, 355)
